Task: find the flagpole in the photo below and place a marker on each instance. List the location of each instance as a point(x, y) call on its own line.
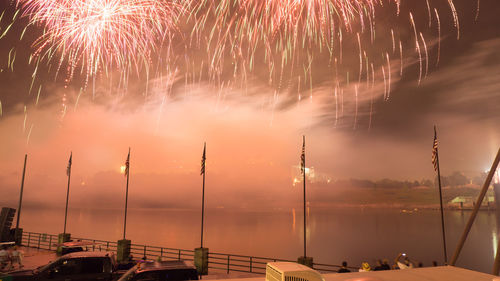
point(304, 174)
point(441, 201)
point(21, 193)
point(127, 170)
point(203, 193)
point(67, 192)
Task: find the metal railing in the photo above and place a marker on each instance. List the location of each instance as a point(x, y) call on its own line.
point(217, 261)
point(240, 263)
point(39, 240)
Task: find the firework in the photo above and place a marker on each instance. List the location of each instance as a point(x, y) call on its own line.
point(226, 42)
point(99, 35)
point(287, 35)
point(280, 27)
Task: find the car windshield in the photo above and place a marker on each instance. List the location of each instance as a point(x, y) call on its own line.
point(45, 267)
point(129, 274)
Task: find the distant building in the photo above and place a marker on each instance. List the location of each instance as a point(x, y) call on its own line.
point(311, 175)
point(468, 202)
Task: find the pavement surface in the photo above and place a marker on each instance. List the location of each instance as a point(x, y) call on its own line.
point(33, 258)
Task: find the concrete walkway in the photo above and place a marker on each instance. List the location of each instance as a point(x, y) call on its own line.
point(34, 258)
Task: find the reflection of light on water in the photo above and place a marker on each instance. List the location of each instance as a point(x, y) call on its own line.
point(293, 218)
point(495, 243)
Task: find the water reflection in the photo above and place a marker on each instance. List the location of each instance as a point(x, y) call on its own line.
point(334, 235)
point(494, 242)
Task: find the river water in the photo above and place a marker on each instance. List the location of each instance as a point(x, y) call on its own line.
point(333, 235)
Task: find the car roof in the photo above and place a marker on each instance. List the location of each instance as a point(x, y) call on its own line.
point(87, 254)
point(165, 265)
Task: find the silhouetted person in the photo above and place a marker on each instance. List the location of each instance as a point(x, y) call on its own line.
point(378, 266)
point(344, 268)
point(420, 264)
point(385, 265)
point(4, 258)
point(434, 263)
point(405, 264)
point(365, 267)
point(382, 265)
point(16, 257)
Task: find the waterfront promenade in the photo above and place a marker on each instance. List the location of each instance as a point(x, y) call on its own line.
point(36, 257)
point(217, 262)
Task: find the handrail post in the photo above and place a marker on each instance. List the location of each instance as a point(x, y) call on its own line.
point(107, 246)
point(50, 242)
point(179, 258)
point(93, 245)
point(250, 264)
point(144, 252)
point(228, 257)
point(29, 238)
point(39, 238)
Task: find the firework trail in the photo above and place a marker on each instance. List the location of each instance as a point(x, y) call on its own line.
point(279, 28)
point(439, 36)
point(284, 36)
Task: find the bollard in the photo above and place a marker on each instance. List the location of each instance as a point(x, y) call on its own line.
point(18, 236)
point(201, 260)
point(307, 261)
point(123, 250)
point(62, 238)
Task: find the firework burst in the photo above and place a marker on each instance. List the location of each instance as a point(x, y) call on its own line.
point(100, 34)
point(290, 34)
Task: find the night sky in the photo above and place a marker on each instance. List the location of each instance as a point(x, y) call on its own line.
point(253, 127)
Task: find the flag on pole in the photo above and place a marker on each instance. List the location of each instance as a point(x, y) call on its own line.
point(203, 159)
point(127, 163)
point(435, 151)
point(68, 170)
point(303, 156)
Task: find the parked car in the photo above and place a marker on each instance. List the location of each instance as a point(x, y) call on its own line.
point(79, 266)
point(161, 271)
point(74, 246)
